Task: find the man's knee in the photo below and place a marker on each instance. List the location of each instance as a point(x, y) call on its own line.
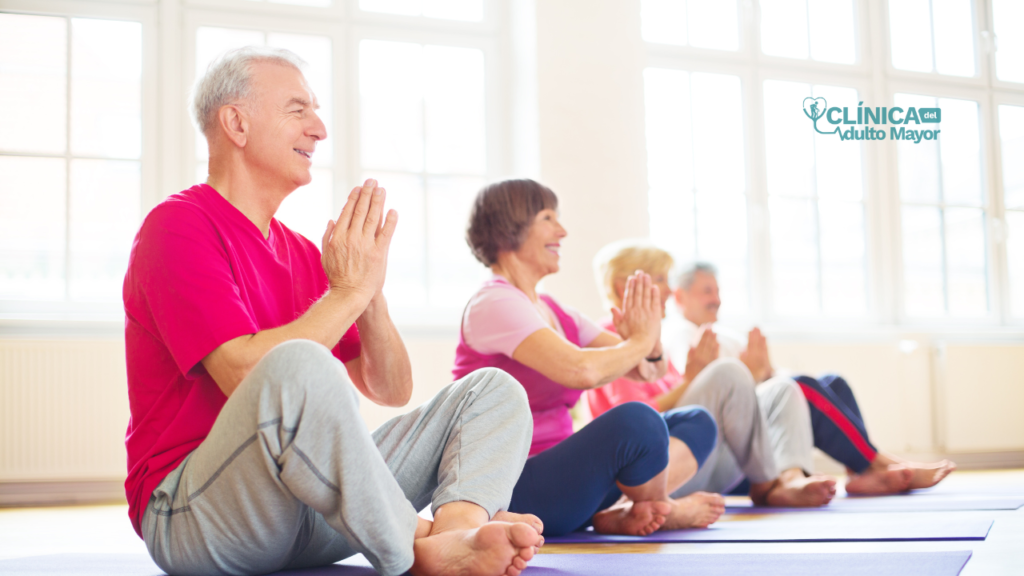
point(501, 386)
point(300, 366)
point(730, 373)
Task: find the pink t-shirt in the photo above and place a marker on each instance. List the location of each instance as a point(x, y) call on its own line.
point(201, 273)
point(603, 399)
point(500, 316)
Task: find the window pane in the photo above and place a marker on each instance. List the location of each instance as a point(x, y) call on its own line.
point(784, 28)
point(664, 21)
point(922, 261)
point(104, 216)
point(713, 24)
point(932, 36)
point(842, 258)
point(1015, 261)
point(831, 31)
point(391, 105)
point(106, 88)
point(316, 51)
point(954, 37)
point(960, 152)
point(454, 273)
point(407, 258)
point(911, 34)
point(308, 208)
point(33, 83)
point(1008, 21)
point(32, 231)
point(1011, 134)
point(696, 170)
point(837, 170)
point(794, 256)
point(789, 139)
point(454, 103)
point(965, 258)
point(919, 163)
point(469, 10)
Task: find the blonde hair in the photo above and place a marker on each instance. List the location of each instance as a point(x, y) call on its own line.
point(618, 260)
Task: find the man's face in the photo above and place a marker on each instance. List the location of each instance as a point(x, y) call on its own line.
point(283, 126)
point(700, 302)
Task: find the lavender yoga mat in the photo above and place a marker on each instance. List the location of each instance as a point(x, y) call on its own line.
point(879, 564)
point(900, 503)
point(812, 527)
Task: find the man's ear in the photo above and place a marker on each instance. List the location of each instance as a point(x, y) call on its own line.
point(234, 123)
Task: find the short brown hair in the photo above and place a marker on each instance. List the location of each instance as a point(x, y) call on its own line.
point(502, 213)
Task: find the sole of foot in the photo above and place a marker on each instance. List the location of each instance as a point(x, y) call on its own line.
point(632, 518)
point(698, 510)
point(494, 549)
point(893, 479)
point(802, 492)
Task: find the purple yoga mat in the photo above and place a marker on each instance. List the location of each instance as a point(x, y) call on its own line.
point(877, 564)
point(811, 527)
point(900, 503)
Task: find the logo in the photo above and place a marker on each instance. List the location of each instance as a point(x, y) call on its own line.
point(817, 108)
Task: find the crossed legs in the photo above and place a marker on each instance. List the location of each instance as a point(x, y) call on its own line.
point(290, 477)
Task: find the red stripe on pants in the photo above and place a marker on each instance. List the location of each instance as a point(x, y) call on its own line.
point(840, 420)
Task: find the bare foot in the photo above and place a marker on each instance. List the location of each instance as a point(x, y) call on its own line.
point(506, 516)
point(698, 510)
point(632, 518)
point(494, 549)
point(928, 475)
point(892, 479)
point(799, 491)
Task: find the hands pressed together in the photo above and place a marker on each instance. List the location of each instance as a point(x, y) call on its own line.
point(756, 356)
point(640, 316)
point(355, 247)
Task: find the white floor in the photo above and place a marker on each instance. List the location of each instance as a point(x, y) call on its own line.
point(106, 529)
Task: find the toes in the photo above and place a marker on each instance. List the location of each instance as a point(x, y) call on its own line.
point(519, 563)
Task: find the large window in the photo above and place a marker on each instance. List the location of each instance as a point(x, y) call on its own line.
point(835, 226)
point(71, 160)
point(404, 87)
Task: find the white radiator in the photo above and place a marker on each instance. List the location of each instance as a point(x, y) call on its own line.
point(63, 410)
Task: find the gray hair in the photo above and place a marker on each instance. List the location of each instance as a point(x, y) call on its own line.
point(229, 79)
point(685, 277)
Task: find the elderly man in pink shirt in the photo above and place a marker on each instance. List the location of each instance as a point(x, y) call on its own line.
point(245, 347)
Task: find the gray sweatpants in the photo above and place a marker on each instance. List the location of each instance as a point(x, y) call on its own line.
point(290, 477)
point(762, 429)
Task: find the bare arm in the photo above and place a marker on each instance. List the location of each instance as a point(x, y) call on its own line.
point(382, 372)
point(583, 368)
point(354, 259)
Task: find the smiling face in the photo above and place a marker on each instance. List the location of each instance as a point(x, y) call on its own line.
point(540, 246)
point(283, 126)
point(700, 302)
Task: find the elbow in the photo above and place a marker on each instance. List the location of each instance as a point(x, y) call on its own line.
point(585, 378)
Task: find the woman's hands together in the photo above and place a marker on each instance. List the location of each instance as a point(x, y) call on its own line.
point(640, 316)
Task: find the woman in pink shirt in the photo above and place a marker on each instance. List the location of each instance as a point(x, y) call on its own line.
point(618, 471)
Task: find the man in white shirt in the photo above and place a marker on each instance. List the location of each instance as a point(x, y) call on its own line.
point(837, 427)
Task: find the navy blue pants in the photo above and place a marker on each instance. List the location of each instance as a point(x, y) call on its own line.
point(838, 426)
point(568, 483)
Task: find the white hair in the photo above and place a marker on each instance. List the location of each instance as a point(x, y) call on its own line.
point(684, 279)
point(229, 79)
